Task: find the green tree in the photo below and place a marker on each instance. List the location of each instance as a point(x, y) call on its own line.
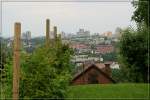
point(5, 70)
point(134, 45)
point(141, 14)
point(118, 76)
point(112, 56)
point(46, 73)
point(134, 54)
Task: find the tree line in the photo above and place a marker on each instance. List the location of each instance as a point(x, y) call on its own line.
point(134, 45)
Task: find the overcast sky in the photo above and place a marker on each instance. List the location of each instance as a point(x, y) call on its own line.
point(97, 17)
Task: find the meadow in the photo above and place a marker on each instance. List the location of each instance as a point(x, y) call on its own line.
point(110, 91)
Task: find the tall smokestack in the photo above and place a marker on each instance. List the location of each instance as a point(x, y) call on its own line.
point(16, 60)
point(47, 32)
point(55, 32)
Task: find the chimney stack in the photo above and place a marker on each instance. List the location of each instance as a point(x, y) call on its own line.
point(55, 33)
point(47, 32)
point(107, 68)
point(16, 60)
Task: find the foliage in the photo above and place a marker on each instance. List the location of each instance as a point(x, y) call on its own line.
point(110, 56)
point(7, 81)
point(141, 14)
point(2, 54)
point(134, 45)
point(134, 54)
point(118, 76)
point(5, 70)
point(46, 72)
point(113, 91)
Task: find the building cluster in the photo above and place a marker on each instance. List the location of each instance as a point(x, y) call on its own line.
point(26, 38)
point(87, 46)
point(83, 33)
point(89, 49)
point(91, 46)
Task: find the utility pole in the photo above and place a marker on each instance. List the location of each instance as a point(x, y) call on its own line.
point(47, 32)
point(16, 61)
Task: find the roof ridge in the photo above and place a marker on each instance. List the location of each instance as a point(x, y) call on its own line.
point(89, 66)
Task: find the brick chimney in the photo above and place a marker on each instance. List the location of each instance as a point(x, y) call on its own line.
point(107, 69)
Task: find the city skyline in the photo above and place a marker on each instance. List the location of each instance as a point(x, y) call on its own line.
point(67, 16)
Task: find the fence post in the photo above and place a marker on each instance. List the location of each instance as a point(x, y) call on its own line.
point(47, 32)
point(16, 60)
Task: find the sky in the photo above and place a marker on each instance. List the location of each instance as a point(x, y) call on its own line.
point(97, 17)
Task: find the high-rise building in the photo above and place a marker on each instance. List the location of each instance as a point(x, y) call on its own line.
point(108, 34)
point(118, 32)
point(82, 32)
point(26, 35)
point(63, 35)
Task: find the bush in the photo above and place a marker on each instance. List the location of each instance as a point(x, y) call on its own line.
point(47, 73)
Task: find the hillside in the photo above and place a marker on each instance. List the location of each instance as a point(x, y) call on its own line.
point(109, 91)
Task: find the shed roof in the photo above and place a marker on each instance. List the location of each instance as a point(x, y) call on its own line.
point(99, 66)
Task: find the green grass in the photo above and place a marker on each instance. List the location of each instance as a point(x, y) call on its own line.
point(109, 91)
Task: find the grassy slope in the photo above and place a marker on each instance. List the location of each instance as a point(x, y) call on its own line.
point(109, 91)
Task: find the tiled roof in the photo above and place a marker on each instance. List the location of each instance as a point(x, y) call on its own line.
point(98, 65)
point(79, 46)
point(105, 49)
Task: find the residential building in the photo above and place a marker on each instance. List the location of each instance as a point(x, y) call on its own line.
point(83, 33)
point(96, 73)
point(103, 49)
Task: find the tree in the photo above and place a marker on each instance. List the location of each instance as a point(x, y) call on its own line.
point(47, 73)
point(119, 76)
point(5, 70)
point(134, 53)
point(110, 56)
point(142, 11)
point(2, 56)
point(134, 56)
